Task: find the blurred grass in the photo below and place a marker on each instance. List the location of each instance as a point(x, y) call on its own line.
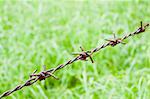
point(34, 33)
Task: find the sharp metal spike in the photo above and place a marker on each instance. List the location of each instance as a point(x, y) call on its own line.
point(114, 35)
point(141, 25)
point(91, 59)
point(81, 48)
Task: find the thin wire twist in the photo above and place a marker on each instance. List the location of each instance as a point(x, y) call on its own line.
point(80, 56)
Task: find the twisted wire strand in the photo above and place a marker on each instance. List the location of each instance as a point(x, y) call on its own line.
point(80, 56)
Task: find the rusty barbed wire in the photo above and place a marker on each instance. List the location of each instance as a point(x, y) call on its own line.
point(83, 55)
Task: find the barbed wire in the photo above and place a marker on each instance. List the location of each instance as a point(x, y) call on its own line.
point(83, 55)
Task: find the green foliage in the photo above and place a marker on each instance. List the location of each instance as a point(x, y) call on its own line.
point(36, 33)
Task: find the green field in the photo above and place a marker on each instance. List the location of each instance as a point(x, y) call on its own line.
point(46, 32)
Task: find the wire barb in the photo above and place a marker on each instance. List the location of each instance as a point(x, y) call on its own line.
point(84, 55)
point(80, 56)
point(113, 42)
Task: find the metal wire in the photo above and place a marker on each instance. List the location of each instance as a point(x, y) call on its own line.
point(83, 55)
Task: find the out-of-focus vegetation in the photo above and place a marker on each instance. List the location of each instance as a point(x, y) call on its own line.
point(36, 33)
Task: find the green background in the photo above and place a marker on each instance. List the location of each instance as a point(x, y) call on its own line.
point(37, 33)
